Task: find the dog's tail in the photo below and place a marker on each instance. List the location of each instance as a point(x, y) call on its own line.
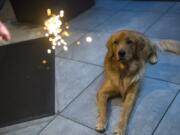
point(172, 46)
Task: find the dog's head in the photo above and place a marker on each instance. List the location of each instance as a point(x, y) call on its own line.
point(125, 45)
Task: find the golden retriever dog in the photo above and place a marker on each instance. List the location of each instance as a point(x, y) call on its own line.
point(128, 52)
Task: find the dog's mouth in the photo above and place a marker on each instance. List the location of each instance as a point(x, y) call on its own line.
point(122, 60)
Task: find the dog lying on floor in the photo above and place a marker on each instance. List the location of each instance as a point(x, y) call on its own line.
point(128, 52)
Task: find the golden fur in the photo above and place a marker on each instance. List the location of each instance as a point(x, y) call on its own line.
point(123, 74)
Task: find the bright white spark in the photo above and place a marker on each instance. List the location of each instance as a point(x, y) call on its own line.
point(78, 42)
point(49, 51)
point(48, 12)
point(61, 13)
point(44, 61)
point(53, 47)
point(65, 48)
point(89, 39)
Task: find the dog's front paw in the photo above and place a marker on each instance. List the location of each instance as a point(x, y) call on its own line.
point(100, 125)
point(119, 131)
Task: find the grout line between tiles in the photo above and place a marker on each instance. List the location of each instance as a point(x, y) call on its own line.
point(150, 26)
point(165, 112)
point(110, 16)
point(47, 124)
point(79, 61)
point(76, 122)
point(82, 91)
point(154, 78)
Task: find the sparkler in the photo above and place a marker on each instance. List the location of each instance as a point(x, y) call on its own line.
point(56, 30)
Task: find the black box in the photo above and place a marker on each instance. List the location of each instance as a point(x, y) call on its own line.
point(27, 81)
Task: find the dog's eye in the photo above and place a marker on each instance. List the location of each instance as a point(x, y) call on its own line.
point(115, 42)
point(129, 42)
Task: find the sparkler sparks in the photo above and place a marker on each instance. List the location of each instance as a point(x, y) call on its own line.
point(78, 42)
point(89, 39)
point(44, 61)
point(56, 30)
point(49, 51)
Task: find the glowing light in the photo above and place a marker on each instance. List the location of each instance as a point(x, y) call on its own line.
point(54, 43)
point(65, 48)
point(67, 27)
point(56, 30)
point(78, 42)
point(53, 47)
point(58, 43)
point(61, 13)
point(47, 35)
point(89, 39)
point(44, 61)
point(65, 33)
point(49, 12)
point(50, 39)
point(49, 51)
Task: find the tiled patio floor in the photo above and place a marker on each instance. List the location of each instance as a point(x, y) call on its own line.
point(79, 73)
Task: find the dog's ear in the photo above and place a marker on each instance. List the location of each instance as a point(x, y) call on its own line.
point(109, 46)
point(146, 50)
point(140, 45)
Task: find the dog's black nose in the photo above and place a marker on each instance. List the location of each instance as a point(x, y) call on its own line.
point(122, 53)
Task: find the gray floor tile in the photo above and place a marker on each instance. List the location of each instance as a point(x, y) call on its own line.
point(85, 112)
point(154, 6)
point(150, 110)
point(91, 18)
point(111, 5)
point(176, 8)
point(166, 27)
point(62, 126)
point(167, 68)
point(74, 36)
point(93, 52)
point(156, 95)
point(170, 124)
point(71, 78)
point(139, 21)
point(31, 130)
point(26, 128)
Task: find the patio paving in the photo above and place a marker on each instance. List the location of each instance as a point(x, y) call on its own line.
point(79, 73)
point(139, 21)
point(166, 27)
point(158, 6)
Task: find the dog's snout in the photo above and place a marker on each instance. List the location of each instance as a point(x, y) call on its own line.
point(122, 53)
